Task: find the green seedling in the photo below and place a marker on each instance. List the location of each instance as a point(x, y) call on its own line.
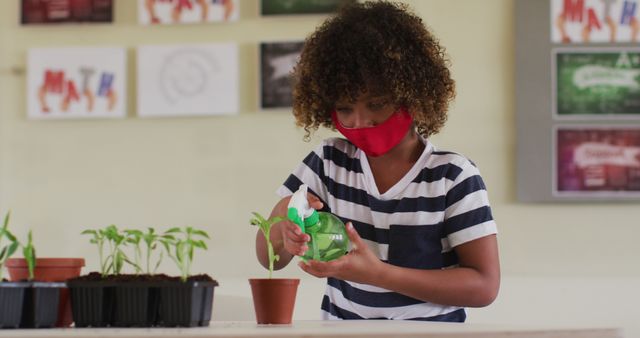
point(98, 239)
point(7, 250)
point(265, 227)
point(114, 261)
point(29, 253)
point(117, 257)
point(183, 247)
point(151, 240)
point(134, 237)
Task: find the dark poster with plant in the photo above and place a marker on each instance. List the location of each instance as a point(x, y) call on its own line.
point(277, 60)
point(66, 11)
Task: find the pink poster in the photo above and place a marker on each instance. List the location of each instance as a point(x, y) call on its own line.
point(597, 161)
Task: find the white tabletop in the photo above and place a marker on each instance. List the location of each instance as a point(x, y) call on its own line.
point(329, 329)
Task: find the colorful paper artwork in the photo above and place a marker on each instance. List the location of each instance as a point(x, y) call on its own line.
point(292, 7)
point(151, 12)
point(596, 83)
point(597, 161)
point(188, 80)
point(277, 60)
point(76, 83)
point(594, 21)
point(66, 11)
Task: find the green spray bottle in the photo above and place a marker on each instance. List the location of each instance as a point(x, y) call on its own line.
point(329, 238)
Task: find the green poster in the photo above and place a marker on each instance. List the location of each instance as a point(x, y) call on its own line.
point(280, 7)
point(605, 82)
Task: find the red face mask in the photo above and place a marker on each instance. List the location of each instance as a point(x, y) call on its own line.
point(377, 140)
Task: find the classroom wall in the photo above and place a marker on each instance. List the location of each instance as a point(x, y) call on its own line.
point(60, 177)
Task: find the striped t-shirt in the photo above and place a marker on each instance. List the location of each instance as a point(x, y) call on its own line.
point(439, 204)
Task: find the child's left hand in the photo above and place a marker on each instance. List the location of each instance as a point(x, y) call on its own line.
point(360, 265)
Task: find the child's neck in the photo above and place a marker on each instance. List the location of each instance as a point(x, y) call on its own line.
point(391, 167)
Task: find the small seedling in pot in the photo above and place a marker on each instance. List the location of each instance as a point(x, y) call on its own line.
point(134, 237)
point(98, 239)
point(265, 227)
point(114, 261)
point(151, 240)
point(183, 242)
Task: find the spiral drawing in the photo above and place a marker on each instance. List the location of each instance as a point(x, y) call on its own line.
point(186, 74)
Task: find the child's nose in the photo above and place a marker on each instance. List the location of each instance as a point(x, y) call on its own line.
point(362, 120)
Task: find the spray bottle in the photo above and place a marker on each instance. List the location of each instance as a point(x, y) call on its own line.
point(328, 235)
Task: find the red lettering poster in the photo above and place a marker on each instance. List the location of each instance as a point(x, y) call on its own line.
point(66, 11)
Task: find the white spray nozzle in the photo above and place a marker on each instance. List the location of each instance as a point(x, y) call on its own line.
point(298, 207)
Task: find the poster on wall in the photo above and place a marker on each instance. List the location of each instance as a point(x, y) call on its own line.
point(188, 80)
point(594, 21)
point(277, 60)
point(171, 12)
point(597, 161)
point(596, 83)
point(76, 83)
point(293, 7)
point(66, 11)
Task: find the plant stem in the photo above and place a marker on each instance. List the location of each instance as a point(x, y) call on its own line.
point(148, 259)
point(270, 249)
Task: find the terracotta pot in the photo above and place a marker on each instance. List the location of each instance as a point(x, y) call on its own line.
point(274, 299)
point(50, 270)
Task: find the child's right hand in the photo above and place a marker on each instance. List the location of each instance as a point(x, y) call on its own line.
point(294, 240)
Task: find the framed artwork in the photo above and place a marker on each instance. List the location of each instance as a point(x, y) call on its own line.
point(597, 161)
point(277, 60)
point(596, 83)
point(66, 11)
point(76, 83)
point(188, 80)
point(172, 12)
point(594, 21)
point(293, 7)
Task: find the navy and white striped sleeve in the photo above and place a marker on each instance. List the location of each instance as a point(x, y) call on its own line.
point(310, 172)
point(468, 213)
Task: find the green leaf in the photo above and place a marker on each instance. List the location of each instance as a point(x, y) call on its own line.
point(158, 263)
point(201, 233)
point(133, 232)
point(89, 232)
point(173, 230)
point(6, 220)
point(200, 244)
point(10, 236)
point(180, 252)
point(169, 237)
point(259, 217)
point(12, 248)
point(2, 253)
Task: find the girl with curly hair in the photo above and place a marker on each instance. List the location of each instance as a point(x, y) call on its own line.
point(423, 237)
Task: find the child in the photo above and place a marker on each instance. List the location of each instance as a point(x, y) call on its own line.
point(423, 237)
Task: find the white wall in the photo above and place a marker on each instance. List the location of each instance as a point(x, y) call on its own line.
point(59, 177)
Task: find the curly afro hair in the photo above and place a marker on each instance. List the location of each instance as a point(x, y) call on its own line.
point(377, 47)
